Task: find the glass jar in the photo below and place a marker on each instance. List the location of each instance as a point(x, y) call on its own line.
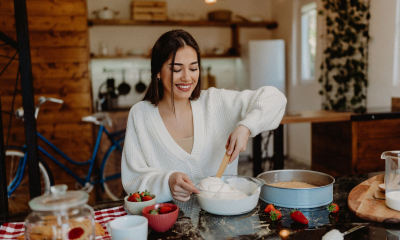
point(60, 215)
point(392, 179)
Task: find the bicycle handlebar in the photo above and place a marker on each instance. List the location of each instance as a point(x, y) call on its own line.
point(20, 111)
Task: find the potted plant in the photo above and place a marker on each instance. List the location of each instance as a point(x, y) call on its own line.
point(344, 69)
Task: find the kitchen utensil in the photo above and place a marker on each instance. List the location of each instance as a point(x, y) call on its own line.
point(392, 179)
point(62, 214)
point(128, 228)
point(225, 203)
point(297, 197)
point(363, 204)
point(219, 15)
point(336, 234)
point(105, 13)
point(140, 86)
point(354, 229)
point(222, 167)
point(135, 208)
point(124, 88)
point(161, 222)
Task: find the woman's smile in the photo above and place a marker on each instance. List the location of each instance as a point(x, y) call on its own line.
point(184, 87)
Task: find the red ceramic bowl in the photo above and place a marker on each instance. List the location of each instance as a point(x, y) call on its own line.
point(161, 222)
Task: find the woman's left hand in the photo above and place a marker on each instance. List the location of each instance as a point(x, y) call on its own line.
point(237, 142)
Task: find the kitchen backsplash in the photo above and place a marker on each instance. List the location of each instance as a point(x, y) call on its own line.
point(229, 73)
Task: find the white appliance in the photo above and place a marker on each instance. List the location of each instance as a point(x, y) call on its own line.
point(267, 64)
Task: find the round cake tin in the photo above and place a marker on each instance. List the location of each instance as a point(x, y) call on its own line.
point(297, 197)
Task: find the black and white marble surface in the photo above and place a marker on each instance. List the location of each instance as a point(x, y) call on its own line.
point(195, 223)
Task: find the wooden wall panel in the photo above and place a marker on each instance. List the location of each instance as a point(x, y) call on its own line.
point(48, 8)
point(62, 86)
point(60, 54)
point(45, 23)
point(55, 38)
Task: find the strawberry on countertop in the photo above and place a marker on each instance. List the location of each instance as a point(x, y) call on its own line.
point(269, 208)
point(333, 208)
point(298, 216)
point(275, 215)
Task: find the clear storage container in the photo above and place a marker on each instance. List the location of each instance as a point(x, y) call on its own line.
point(392, 179)
point(60, 215)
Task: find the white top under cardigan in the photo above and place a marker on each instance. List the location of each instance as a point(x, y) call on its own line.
point(151, 155)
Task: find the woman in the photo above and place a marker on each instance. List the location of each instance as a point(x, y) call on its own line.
point(176, 135)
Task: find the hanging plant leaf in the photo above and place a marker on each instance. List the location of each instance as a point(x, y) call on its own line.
point(345, 62)
point(351, 50)
point(354, 3)
point(329, 21)
point(357, 89)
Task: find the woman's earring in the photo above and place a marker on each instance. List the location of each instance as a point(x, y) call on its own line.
point(158, 79)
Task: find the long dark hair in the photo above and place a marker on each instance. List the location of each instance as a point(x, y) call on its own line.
point(165, 48)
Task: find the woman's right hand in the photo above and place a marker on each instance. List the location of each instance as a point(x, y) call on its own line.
point(181, 186)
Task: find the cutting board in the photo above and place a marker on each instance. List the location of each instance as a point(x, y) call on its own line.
point(364, 203)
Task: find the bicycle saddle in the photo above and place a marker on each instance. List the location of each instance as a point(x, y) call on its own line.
point(99, 118)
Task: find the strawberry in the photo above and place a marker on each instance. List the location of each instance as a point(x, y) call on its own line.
point(146, 198)
point(298, 216)
point(153, 212)
point(275, 215)
point(145, 193)
point(333, 208)
point(165, 210)
point(135, 197)
point(269, 208)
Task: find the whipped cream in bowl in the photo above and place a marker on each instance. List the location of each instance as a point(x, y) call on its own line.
point(230, 195)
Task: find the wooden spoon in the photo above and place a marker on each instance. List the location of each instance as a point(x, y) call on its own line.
point(223, 165)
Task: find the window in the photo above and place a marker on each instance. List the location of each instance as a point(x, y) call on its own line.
point(308, 40)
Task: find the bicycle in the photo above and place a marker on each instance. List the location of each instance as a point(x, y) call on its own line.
point(110, 168)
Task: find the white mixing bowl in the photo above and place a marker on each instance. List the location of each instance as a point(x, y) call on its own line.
point(226, 203)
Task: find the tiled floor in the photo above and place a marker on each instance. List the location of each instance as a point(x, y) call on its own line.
point(246, 166)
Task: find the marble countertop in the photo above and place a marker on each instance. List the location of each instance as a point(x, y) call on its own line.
point(195, 223)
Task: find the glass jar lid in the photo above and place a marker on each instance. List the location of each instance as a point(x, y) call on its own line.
point(59, 199)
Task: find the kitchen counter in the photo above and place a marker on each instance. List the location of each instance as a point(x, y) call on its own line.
point(194, 223)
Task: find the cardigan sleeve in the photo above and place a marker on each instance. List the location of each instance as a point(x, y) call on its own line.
point(258, 110)
point(136, 175)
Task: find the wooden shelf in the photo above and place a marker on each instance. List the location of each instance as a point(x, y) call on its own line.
point(234, 50)
point(203, 23)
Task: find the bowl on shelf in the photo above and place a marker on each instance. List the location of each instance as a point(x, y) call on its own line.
point(220, 15)
point(135, 208)
point(161, 222)
point(232, 203)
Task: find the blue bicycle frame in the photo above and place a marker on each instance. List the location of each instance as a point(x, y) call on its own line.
point(115, 138)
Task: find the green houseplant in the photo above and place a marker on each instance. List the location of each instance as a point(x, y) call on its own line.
point(344, 66)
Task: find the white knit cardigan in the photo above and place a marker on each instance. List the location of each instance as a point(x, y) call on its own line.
point(151, 155)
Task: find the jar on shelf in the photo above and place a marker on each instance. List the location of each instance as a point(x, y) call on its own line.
point(60, 215)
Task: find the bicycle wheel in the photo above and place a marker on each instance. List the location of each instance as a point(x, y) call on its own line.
point(111, 174)
point(18, 199)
